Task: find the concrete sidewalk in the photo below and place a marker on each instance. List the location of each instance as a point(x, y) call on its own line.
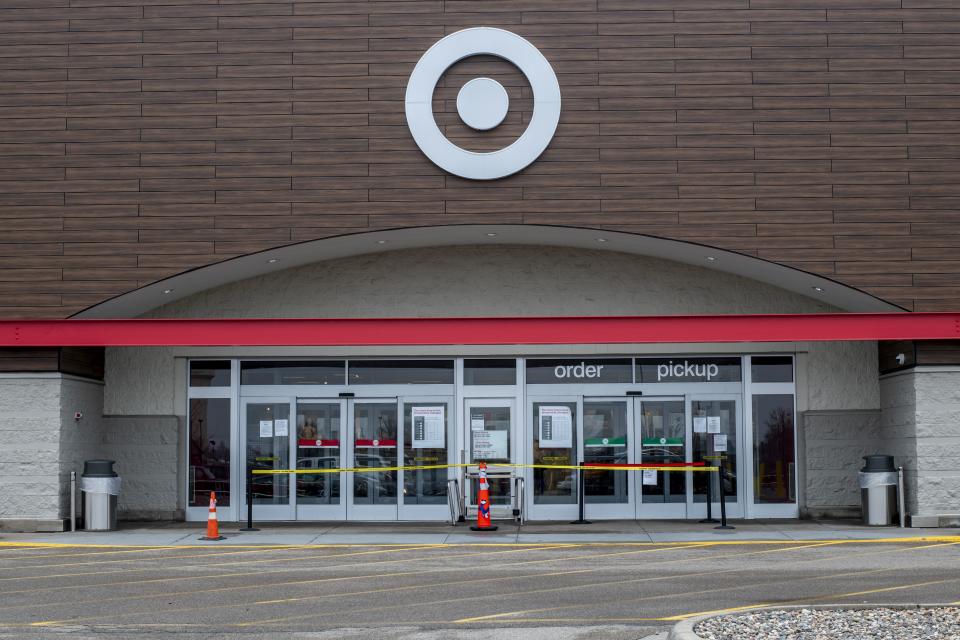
point(603, 531)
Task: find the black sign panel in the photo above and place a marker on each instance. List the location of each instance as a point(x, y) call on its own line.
point(680, 369)
point(579, 370)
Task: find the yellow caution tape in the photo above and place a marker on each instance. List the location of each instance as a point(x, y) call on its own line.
point(427, 467)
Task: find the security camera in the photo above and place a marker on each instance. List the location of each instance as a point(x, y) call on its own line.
point(901, 359)
point(77, 415)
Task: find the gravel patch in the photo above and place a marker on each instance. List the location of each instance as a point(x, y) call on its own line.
point(940, 623)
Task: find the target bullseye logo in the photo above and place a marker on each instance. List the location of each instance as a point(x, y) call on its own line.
point(482, 103)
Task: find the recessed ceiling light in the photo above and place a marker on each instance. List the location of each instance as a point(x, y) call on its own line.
point(711, 258)
point(165, 291)
point(601, 239)
point(491, 235)
point(818, 289)
point(381, 242)
point(272, 261)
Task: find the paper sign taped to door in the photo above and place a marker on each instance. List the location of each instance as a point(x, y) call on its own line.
point(428, 427)
point(266, 428)
point(699, 425)
point(713, 424)
point(556, 428)
point(720, 442)
point(650, 477)
point(281, 428)
point(476, 422)
point(490, 445)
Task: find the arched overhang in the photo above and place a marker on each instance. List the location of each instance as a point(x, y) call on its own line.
point(142, 300)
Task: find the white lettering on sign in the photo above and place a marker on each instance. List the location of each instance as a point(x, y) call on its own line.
point(582, 370)
point(686, 370)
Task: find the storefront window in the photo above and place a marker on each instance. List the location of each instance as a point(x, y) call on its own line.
point(771, 369)
point(401, 372)
point(605, 442)
point(209, 451)
point(774, 452)
point(292, 372)
point(580, 370)
point(490, 372)
point(210, 373)
point(425, 444)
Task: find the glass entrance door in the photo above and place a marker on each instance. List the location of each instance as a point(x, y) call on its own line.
point(662, 428)
point(555, 442)
point(320, 445)
point(607, 440)
point(266, 432)
point(716, 440)
point(491, 438)
point(374, 443)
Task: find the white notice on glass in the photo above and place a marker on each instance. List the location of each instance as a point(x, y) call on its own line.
point(476, 423)
point(720, 442)
point(490, 445)
point(713, 424)
point(266, 428)
point(556, 428)
point(650, 476)
point(428, 427)
point(699, 425)
point(281, 428)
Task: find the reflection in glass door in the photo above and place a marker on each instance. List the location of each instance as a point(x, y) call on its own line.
point(375, 440)
point(606, 440)
point(426, 436)
point(554, 436)
point(663, 437)
point(267, 429)
point(319, 445)
point(490, 440)
point(715, 440)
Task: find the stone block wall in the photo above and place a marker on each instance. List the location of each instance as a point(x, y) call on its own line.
point(833, 446)
point(937, 424)
point(30, 419)
point(146, 449)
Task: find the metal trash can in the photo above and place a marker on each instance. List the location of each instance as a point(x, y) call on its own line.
point(878, 491)
point(100, 485)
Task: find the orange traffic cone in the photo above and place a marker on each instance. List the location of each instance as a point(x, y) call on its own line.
point(483, 503)
point(213, 527)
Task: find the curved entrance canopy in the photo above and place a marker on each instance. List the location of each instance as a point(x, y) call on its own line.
point(140, 301)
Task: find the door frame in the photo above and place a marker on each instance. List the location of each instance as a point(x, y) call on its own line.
point(663, 510)
point(567, 511)
point(266, 511)
point(417, 511)
point(735, 509)
point(516, 453)
point(325, 512)
point(616, 510)
point(372, 512)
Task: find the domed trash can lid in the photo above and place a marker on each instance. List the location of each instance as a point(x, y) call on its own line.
point(99, 469)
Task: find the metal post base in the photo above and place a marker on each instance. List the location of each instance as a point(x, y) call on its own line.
point(709, 521)
point(725, 526)
point(581, 522)
point(477, 528)
point(248, 529)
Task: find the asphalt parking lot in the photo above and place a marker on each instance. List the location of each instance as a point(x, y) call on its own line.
point(554, 590)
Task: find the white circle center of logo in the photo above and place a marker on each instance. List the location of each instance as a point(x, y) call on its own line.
point(482, 103)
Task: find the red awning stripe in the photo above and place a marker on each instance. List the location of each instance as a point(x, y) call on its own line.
point(479, 331)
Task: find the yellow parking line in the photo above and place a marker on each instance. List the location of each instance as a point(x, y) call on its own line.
point(800, 601)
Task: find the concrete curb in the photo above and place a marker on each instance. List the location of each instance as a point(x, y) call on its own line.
point(683, 630)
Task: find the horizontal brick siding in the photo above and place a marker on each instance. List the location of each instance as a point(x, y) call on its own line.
point(140, 138)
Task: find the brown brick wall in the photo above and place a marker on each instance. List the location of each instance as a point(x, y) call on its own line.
point(140, 138)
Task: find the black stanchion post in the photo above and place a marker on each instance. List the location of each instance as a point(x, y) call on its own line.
point(721, 473)
point(249, 526)
point(580, 495)
point(709, 519)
